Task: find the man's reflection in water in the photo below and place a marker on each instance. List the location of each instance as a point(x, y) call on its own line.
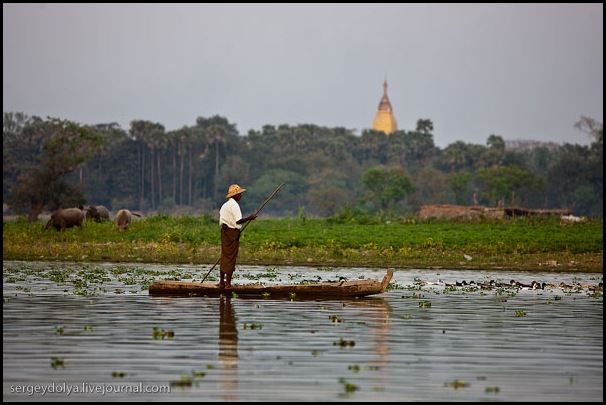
point(381, 338)
point(228, 348)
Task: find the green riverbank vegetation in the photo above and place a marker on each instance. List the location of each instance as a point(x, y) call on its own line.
point(525, 243)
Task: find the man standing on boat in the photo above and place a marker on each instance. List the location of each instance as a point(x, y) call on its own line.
point(230, 219)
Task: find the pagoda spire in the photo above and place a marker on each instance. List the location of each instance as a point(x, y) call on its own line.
point(384, 118)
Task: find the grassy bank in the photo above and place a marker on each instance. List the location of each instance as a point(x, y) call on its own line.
point(541, 244)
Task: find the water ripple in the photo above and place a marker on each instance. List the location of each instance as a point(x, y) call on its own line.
point(418, 342)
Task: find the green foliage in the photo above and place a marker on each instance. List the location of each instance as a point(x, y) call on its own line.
point(57, 148)
point(460, 183)
point(499, 182)
point(146, 168)
point(583, 199)
point(351, 214)
point(521, 243)
point(385, 187)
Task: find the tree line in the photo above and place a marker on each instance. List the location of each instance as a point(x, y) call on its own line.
point(52, 163)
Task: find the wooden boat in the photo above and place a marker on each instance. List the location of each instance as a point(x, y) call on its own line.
point(335, 289)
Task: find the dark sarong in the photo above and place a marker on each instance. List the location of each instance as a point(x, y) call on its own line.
point(230, 244)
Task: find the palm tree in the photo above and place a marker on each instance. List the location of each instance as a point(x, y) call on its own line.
point(147, 133)
point(161, 145)
point(456, 155)
point(217, 136)
point(425, 126)
point(181, 140)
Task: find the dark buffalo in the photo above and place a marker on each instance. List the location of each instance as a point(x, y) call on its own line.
point(98, 213)
point(66, 218)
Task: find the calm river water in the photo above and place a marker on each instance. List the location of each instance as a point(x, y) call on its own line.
point(91, 332)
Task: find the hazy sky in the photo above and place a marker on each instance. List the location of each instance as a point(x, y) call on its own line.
point(521, 71)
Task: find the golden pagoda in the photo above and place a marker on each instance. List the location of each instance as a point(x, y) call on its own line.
point(384, 119)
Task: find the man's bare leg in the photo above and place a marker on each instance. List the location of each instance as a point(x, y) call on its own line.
point(222, 280)
point(228, 283)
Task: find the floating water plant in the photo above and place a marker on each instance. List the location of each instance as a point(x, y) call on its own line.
point(57, 362)
point(520, 313)
point(393, 286)
point(492, 390)
point(161, 333)
point(271, 274)
point(344, 343)
point(355, 368)
point(335, 319)
point(183, 382)
point(456, 384)
point(59, 330)
point(450, 288)
point(424, 304)
point(186, 381)
point(349, 387)
point(253, 326)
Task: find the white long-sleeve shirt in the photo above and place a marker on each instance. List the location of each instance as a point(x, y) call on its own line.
point(230, 213)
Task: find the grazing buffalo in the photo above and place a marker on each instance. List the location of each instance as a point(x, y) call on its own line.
point(98, 213)
point(124, 218)
point(66, 218)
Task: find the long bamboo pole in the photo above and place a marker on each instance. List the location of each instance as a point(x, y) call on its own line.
point(244, 227)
